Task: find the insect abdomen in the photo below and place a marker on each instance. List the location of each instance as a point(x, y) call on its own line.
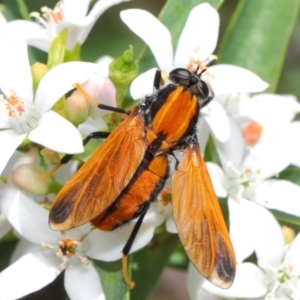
point(143, 188)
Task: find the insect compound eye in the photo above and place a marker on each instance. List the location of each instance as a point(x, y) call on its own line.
point(181, 76)
point(203, 88)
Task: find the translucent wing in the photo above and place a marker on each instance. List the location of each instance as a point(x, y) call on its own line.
point(199, 220)
point(102, 178)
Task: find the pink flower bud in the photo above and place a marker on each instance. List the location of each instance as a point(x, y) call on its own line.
point(77, 108)
point(102, 90)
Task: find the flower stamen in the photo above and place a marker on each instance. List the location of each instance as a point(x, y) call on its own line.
point(280, 281)
point(23, 115)
point(68, 249)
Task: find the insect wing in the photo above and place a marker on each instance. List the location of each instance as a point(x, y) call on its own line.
point(102, 178)
point(199, 220)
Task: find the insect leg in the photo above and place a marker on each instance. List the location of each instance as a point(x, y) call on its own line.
point(101, 106)
point(114, 109)
point(66, 158)
point(128, 245)
point(157, 79)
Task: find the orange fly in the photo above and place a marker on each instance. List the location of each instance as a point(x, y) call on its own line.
point(126, 173)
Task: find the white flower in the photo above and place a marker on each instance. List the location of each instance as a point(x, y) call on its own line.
point(42, 253)
point(275, 278)
point(24, 115)
point(246, 179)
point(191, 49)
point(70, 14)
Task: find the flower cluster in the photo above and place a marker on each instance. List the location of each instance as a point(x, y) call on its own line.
point(46, 110)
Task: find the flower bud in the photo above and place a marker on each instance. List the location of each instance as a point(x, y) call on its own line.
point(38, 70)
point(288, 234)
point(51, 157)
point(77, 108)
point(102, 90)
point(123, 69)
point(29, 178)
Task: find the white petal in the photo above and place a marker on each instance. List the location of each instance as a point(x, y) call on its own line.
point(203, 133)
point(91, 125)
point(216, 117)
point(56, 133)
point(75, 29)
point(16, 157)
point(34, 34)
point(239, 230)
point(103, 63)
point(5, 227)
point(261, 109)
point(101, 6)
point(4, 117)
point(200, 34)
point(218, 179)
point(22, 248)
point(194, 284)
point(143, 85)
point(98, 9)
point(15, 73)
point(155, 214)
point(75, 9)
point(28, 218)
point(11, 139)
point(107, 246)
point(262, 235)
point(152, 32)
point(268, 155)
point(295, 149)
point(233, 148)
point(28, 274)
point(3, 23)
point(229, 79)
point(170, 225)
point(248, 283)
point(60, 80)
point(281, 195)
point(83, 282)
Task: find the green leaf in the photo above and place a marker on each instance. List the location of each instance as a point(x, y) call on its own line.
point(148, 264)
point(211, 154)
point(258, 35)
point(286, 219)
point(173, 15)
point(23, 11)
point(112, 281)
point(291, 174)
point(122, 72)
point(57, 49)
point(178, 258)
